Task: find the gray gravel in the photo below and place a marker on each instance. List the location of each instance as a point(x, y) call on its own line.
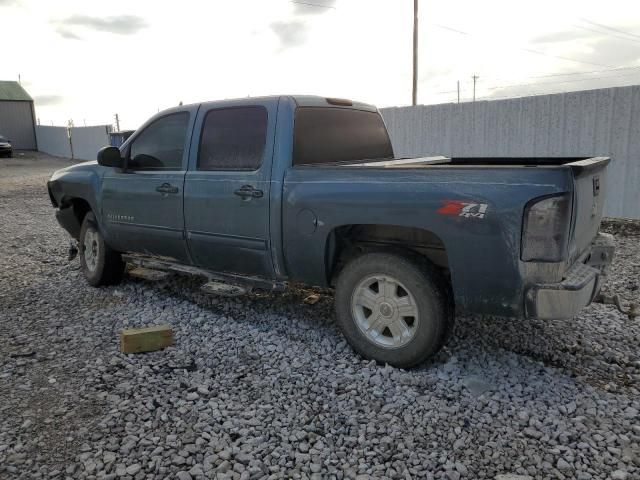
point(265, 387)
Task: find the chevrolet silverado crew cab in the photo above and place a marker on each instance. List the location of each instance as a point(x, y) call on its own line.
point(260, 192)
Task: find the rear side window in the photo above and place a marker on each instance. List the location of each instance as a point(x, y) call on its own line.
point(160, 146)
point(233, 139)
point(330, 135)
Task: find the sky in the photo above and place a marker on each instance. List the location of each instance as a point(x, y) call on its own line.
point(86, 60)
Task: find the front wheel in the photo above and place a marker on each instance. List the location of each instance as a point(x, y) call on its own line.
point(100, 265)
point(392, 309)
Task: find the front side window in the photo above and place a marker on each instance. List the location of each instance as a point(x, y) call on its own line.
point(233, 139)
point(161, 145)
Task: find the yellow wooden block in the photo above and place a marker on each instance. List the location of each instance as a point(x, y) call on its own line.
point(137, 340)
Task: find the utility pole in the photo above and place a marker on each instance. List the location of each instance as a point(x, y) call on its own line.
point(458, 91)
point(475, 77)
point(415, 52)
point(117, 123)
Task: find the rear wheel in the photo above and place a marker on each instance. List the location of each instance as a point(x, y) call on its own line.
point(100, 264)
point(393, 309)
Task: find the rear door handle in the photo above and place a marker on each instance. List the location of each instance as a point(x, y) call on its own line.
point(248, 191)
point(167, 188)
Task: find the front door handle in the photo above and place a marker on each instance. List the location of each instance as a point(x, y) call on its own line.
point(248, 191)
point(167, 188)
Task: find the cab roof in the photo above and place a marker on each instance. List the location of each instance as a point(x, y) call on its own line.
point(301, 101)
point(317, 101)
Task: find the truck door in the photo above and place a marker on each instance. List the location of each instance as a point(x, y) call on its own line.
point(227, 186)
point(142, 206)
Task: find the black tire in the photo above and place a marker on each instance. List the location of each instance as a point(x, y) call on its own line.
point(427, 290)
point(101, 265)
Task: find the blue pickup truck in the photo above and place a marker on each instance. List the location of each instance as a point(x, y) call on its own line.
point(261, 192)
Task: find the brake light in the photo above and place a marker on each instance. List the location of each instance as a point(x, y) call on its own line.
point(339, 101)
point(545, 229)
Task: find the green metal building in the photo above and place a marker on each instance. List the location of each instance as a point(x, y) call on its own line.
point(17, 116)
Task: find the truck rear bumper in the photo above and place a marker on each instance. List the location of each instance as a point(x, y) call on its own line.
point(582, 283)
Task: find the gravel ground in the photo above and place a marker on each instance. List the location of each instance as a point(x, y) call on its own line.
point(265, 386)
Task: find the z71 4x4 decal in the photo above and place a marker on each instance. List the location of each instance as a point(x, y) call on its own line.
point(459, 208)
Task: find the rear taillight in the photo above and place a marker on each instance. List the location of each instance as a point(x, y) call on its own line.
point(545, 229)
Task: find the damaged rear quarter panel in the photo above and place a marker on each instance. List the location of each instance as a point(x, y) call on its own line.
point(483, 250)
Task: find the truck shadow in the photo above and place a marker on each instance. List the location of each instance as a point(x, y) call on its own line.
point(581, 348)
point(594, 347)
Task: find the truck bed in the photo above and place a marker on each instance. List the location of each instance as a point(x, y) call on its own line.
point(483, 251)
point(577, 163)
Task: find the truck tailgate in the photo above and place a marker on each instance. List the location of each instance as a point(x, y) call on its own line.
point(589, 194)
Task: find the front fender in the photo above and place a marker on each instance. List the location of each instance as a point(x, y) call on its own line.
point(82, 182)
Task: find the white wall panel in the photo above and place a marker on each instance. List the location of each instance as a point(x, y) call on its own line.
point(595, 122)
point(53, 140)
point(87, 141)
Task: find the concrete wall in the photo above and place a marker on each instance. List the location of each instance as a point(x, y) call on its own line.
point(86, 141)
point(53, 140)
point(588, 123)
point(17, 124)
point(83, 144)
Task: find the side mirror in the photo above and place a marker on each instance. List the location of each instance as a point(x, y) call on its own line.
point(110, 157)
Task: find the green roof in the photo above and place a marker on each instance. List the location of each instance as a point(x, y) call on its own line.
point(13, 91)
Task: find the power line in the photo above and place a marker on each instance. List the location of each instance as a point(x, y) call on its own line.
point(309, 4)
point(444, 27)
point(583, 73)
point(613, 35)
point(568, 74)
point(558, 81)
point(529, 50)
point(530, 94)
point(610, 28)
point(537, 52)
point(562, 81)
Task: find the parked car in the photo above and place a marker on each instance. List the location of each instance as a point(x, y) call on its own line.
point(6, 150)
point(265, 191)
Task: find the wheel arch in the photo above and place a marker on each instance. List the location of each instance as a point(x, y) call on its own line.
point(73, 210)
point(346, 242)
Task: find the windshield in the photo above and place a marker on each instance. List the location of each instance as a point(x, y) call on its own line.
point(330, 135)
point(3, 139)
